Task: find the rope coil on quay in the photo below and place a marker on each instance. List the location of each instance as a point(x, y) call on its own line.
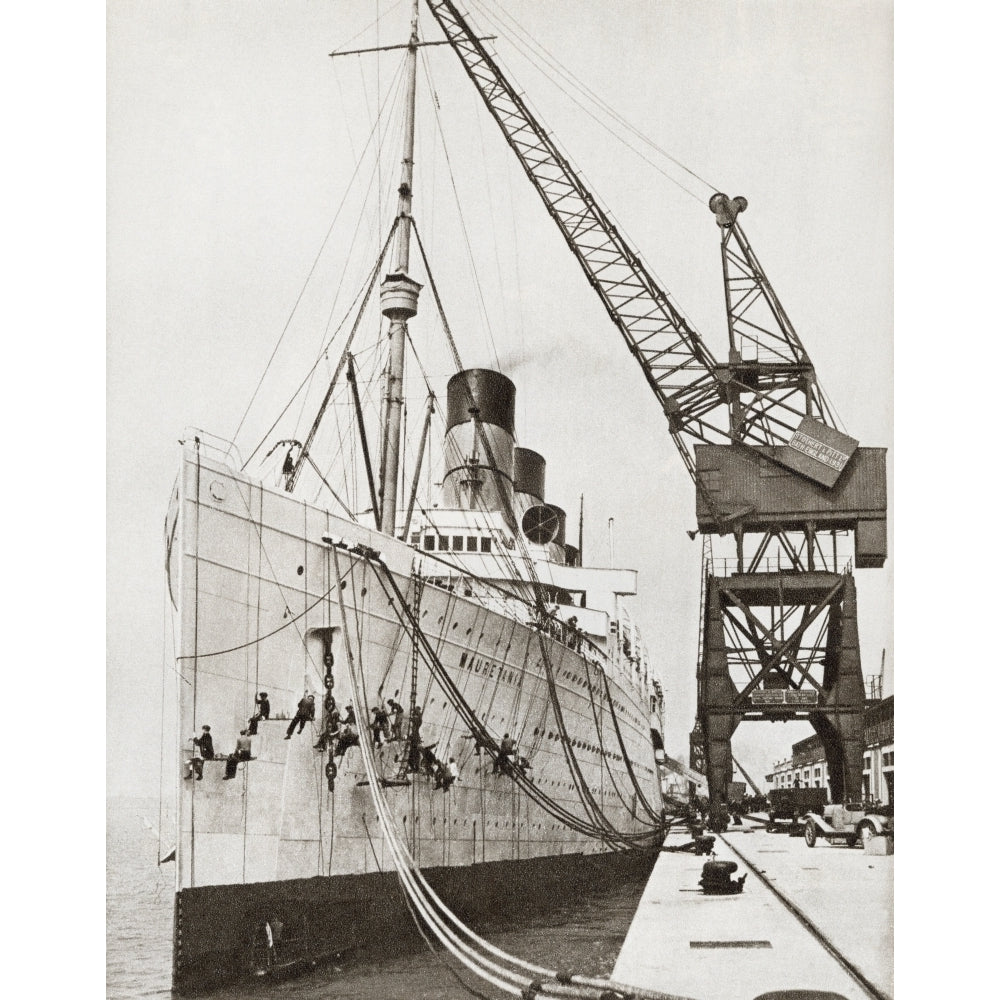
point(509, 974)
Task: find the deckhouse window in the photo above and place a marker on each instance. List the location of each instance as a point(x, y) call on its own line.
point(429, 543)
point(415, 538)
point(486, 545)
point(457, 543)
point(472, 543)
point(443, 543)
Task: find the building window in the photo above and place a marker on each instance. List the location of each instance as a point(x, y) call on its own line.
point(472, 543)
point(429, 543)
point(816, 772)
point(443, 543)
point(887, 758)
point(457, 543)
point(486, 545)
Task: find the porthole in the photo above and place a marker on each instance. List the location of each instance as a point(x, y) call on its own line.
point(301, 570)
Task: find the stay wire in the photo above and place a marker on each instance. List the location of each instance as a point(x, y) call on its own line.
point(363, 216)
point(527, 42)
point(366, 292)
point(484, 312)
point(439, 917)
point(305, 283)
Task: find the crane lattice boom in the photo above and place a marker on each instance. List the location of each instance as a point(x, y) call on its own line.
point(757, 401)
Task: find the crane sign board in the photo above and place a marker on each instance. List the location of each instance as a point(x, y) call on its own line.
point(817, 451)
point(807, 696)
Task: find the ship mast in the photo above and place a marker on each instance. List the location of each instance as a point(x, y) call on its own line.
point(398, 296)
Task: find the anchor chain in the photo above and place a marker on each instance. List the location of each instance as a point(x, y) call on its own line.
point(330, 721)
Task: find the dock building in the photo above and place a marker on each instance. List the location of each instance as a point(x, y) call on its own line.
point(807, 763)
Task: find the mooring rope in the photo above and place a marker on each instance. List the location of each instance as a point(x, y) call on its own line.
point(485, 738)
point(449, 930)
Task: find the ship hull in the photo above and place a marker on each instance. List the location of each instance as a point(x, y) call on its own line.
point(269, 589)
point(218, 929)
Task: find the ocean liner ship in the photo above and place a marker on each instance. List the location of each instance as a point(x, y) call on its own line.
point(487, 647)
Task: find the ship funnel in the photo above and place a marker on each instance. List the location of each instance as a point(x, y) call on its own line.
point(529, 474)
point(478, 475)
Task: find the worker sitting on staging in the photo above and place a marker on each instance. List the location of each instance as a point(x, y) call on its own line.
point(331, 723)
point(428, 761)
point(442, 774)
point(305, 712)
point(262, 714)
point(503, 758)
point(204, 744)
point(347, 738)
point(242, 753)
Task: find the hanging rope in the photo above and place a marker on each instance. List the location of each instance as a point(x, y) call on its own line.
point(596, 830)
point(510, 974)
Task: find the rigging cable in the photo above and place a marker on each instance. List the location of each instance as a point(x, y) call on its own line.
point(362, 217)
point(302, 290)
point(347, 346)
point(497, 14)
point(468, 243)
point(576, 771)
point(446, 926)
point(479, 730)
point(516, 597)
point(315, 364)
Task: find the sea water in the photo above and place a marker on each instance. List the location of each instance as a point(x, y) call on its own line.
point(583, 936)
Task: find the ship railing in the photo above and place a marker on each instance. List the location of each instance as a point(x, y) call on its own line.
point(214, 447)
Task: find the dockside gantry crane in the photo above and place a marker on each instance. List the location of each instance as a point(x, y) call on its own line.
point(779, 635)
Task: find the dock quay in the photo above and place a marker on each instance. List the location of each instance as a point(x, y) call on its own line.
point(815, 920)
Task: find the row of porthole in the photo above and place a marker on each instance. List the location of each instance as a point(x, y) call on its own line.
point(576, 680)
point(454, 822)
point(582, 745)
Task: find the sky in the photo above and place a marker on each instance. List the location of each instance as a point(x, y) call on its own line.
point(231, 136)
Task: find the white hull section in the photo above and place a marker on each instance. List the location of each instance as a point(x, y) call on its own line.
point(253, 581)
